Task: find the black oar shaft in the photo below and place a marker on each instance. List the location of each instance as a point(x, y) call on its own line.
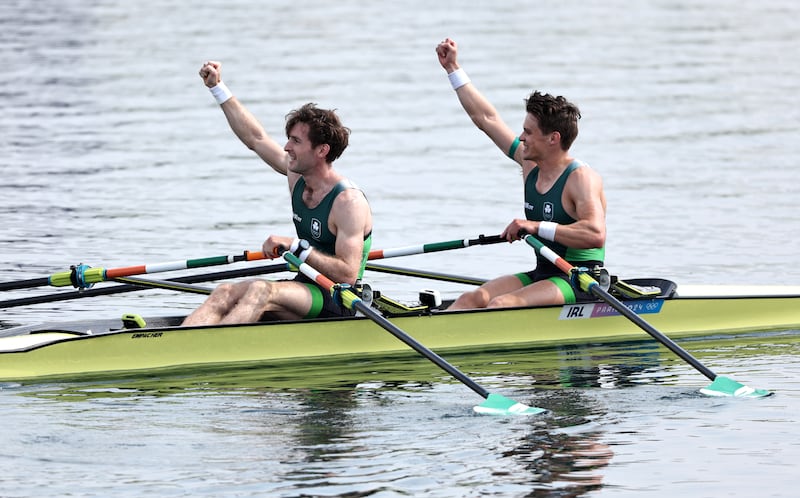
point(589, 284)
point(25, 284)
point(164, 284)
point(419, 348)
point(432, 275)
point(666, 341)
point(351, 300)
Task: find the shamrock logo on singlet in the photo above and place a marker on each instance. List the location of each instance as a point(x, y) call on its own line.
point(316, 228)
point(547, 211)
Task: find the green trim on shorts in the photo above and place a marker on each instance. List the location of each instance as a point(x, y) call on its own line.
point(524, 278)
point(317, 301)
point(566, 289)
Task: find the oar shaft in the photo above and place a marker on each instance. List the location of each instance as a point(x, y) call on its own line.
point(351, 300)
point(446, 277)
point(83, 276)
point(164, 284)
point(419, 348)
point(187, 264)
point(87, 275)
point(184, 264)
point(589, 284)
point(434, 247)
point(25, 284)
point(117, 289)
point(666, 341)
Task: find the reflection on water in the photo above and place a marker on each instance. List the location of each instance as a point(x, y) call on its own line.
point(379, 425)
point(325, 420)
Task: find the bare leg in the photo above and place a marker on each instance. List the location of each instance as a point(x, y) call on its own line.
point(542, 293)
point(246, 302)
point(479, 298)
point(250, 304)
point(217, 305)
point(483, 295)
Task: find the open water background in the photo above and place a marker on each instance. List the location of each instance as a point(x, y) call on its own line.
point(114, 153)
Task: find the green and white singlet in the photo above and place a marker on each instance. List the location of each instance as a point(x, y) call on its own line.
point(548, 207)
point(311, 224)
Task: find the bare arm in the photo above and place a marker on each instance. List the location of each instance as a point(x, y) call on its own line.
point(585, 201)
point(479, 109)
point(351, 221)
point(245, 125)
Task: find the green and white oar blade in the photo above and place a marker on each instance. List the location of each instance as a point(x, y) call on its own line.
point(724, 386)
point(497, 404)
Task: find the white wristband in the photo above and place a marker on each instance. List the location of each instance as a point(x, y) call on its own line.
point(458, 78)
point(304, 255)
point(221, 93)
point(296, 247)
point(547, 230)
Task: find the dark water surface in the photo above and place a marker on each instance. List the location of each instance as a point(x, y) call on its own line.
point(114, 154)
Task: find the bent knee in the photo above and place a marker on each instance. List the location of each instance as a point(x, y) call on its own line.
point(257, 292)
point(505, 301)
point(478, 298)
point(258, 286)
point(222, 292)
point(227, 294)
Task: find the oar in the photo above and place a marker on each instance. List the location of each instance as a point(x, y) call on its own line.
point(164, 284)
point(720, 386)
point(117, 289)
point(435, 247)
point(432, 275)
point(495, 404)
point(83, 276)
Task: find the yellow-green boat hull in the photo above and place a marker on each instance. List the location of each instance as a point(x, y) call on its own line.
point(60, 351)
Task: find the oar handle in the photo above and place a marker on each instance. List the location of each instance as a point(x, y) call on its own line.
point(483, 240)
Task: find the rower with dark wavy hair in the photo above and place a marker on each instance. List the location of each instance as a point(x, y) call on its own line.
point(565, 205)
point(331, 215)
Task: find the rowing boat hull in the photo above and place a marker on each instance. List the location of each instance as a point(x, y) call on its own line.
point(61, 352)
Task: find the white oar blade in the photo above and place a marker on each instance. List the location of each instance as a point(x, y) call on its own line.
point(497, 404)
point(723, 386)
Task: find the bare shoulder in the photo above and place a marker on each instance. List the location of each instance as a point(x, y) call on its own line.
point(585, 169)
point(584, 188)
point(584, 196)
point(351, 209)
point(585, 176)
point(351, 198)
